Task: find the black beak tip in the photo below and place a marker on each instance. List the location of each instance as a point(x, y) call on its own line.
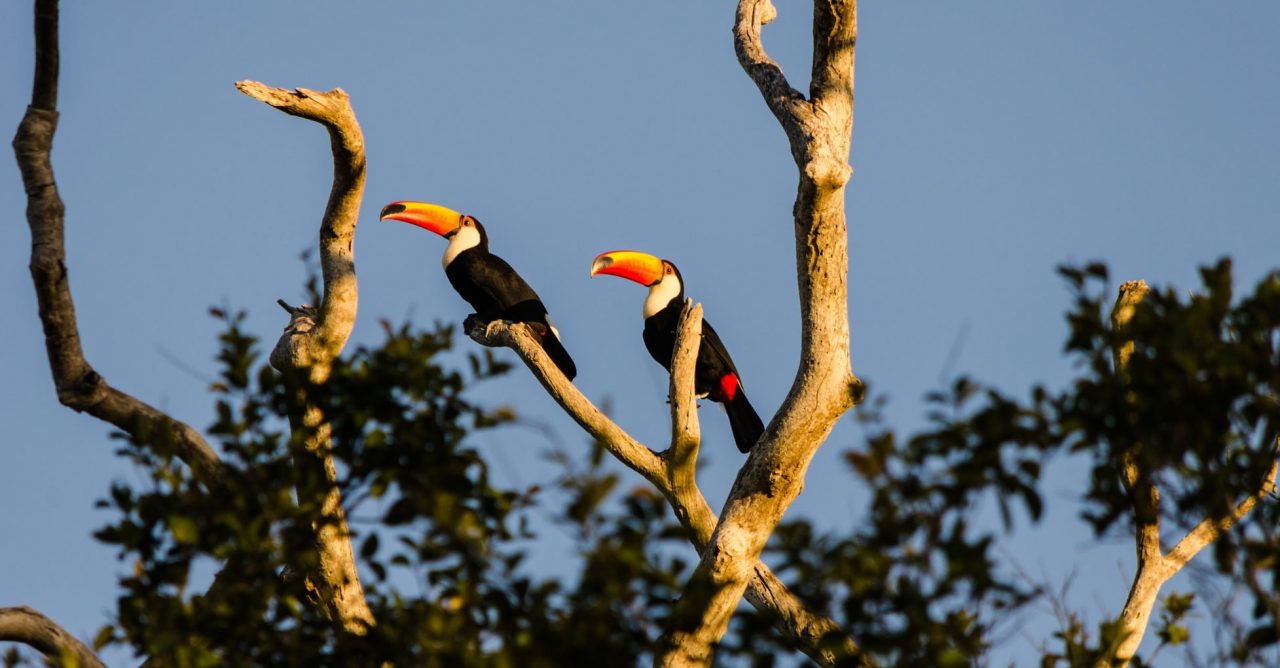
point(391, 209)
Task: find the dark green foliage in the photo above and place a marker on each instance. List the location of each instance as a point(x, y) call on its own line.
point(916, 581)
point(1198, 409)
point(443, 550)
point(1198, 406)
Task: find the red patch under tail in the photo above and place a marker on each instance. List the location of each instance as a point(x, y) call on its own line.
point(728, 389)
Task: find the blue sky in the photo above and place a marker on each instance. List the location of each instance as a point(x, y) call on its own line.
point(992, 141)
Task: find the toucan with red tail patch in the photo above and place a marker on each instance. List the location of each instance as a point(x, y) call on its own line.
point(715, 377)
point(485, 280)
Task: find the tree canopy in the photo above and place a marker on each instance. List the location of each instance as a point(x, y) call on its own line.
point(338, 512)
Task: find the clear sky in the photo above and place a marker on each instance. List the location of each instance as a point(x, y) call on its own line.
point(992, 141)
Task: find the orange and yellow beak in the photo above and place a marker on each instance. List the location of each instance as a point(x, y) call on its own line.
point(642, 268)
point(441, 220)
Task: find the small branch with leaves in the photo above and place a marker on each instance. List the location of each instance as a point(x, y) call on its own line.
point(1155, 566)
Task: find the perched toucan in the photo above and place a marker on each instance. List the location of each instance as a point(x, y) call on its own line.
point(485, 280)
point(715, 376)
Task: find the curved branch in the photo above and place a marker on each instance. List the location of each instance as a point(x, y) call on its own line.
point(816, 635)
point(78, 385)
point(315, 345)
point(786, 103)
point(29, 627)
point(314, 337)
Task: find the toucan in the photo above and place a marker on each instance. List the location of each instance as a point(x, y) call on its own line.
point(715, 377)
point(485, 280)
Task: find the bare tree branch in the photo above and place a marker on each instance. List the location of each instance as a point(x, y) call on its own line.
point(619, 443)
point(686, 437)
point(315, 344)
point(819, 132)
point(29, 627)
point(818, 636)
point(79, 386)
point(314, 337)
point(1154, 568)
point(1211, 529)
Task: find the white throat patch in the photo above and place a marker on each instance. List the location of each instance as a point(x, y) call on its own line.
point(661, 294)
point(466, 238)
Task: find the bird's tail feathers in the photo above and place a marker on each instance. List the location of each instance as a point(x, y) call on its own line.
point(743, 419)
point(557, 353)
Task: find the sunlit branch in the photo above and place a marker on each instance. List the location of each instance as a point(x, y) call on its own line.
point(682, 456)
point(819, 133)
point(1212, 528)
point(818, 636)
point(1154, 567)
point(314, 337)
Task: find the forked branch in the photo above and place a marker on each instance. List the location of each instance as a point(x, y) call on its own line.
point(819, 132)
point(1154, 567)
point(672, 473)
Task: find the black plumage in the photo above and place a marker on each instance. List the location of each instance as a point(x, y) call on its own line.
point(497, 292)
point(715, 375)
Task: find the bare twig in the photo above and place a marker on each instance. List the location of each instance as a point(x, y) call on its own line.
point(817, 635)
point(314, 337)
point(29, 627)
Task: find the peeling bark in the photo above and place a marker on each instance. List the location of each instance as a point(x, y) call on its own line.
point(29, 627)
point(314, 337)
